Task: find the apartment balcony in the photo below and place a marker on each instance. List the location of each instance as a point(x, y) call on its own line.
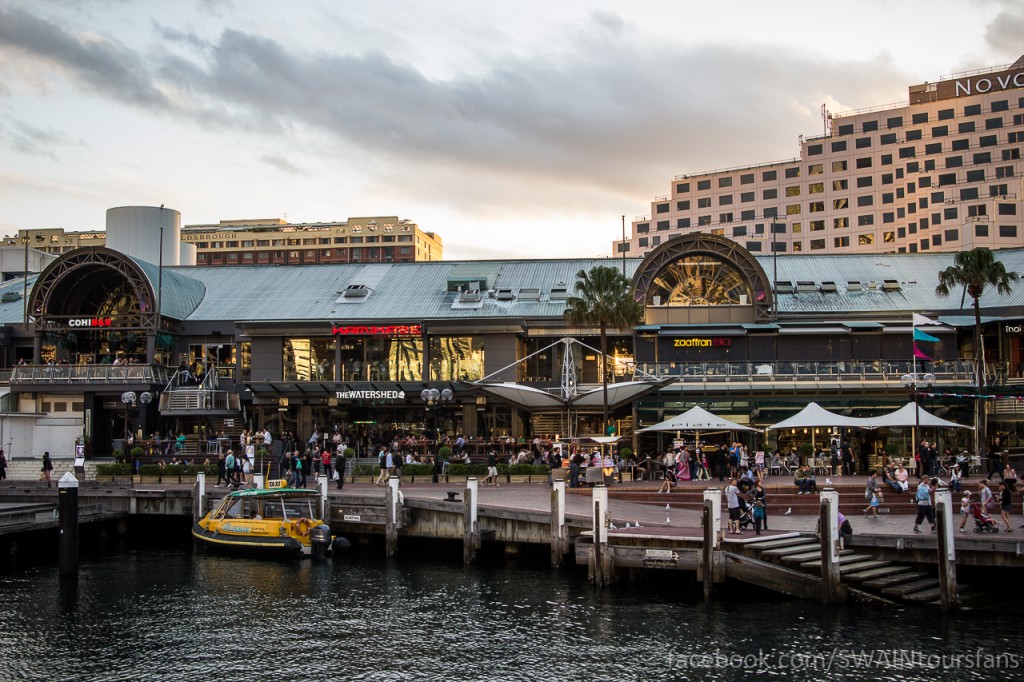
point(60, 377)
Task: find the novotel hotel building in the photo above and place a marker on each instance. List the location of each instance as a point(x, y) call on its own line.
point(751, 337)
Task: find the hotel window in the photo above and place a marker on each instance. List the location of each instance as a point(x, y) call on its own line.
point(933, 148)
point(683, 222)
point(841, 242)
point(888, 237)
point(865, 181)
point(969, 194)
point(656, 241)
point(704, 203)
point(769, 176)
point(643, 242)
point(1008, 231)
point(993, 123)
point(997, 190)
point(793, 209)
point(908, 152)
point(778, 228)
point(965, 127)
point(865, 239)
point(682, 188)
point(814, 149)
point(793, 191)
point(1011, 154)
point(840, 223)
point(862, 143)
point(987, 141)
point(725, 217)
point(946, 114)
point(846, 129)
point(839, 185)
point(976, 176)
point(643, 228)
point(1004, 171)
point(929, 165)
point(940, 131)
point(870, 126)
point(1018, 119)
point(779, 247)
point(864, 162)
point(816, 206)
point(920, 118)
point(1001, 105)
point(747, 179)
point(815, 169)
point(936, 240)
point(746, 196)
point(947, 179)
point(901, 232)
point(913, 135)
point(817, 244)
point(683, 205)
point(866, 200)
point(739, 231)
point(262, 242)
point(886, 159)
point(888, 217)
point(1007, 209)
point(954, 161)
point(703, 185)
point(247, 244)
point(817, 225)
point(980, 229)
point(840, 204)
point(748, 214)
point(753, 246)
point(661, 208)
point(662, 225)
point(771, 212)
point(894, 122)
point(725, 182)
point(913, 167)
point(865, 220)
point(839, 146)
point(703, 220)
point(772, 193)
point(816, 188)
point(925, 181)
point(888, 138)
point(798, 246)
point(797, 228)
point(838, 166)
point(952, 235)
point(725, 200)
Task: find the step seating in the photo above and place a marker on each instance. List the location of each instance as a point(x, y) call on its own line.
point(902, 589)
point(890, 580)
point(860, 576)
point(805, 546)
point(844, 559)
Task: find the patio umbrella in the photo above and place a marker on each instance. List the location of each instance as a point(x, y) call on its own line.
point(905, 417)
point(814, 415)
point(696, 419)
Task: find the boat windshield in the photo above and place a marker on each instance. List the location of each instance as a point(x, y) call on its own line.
point(285, 507)
point(267, 507)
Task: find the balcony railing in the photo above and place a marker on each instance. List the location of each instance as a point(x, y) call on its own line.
point(955, 371)
point(89, 374)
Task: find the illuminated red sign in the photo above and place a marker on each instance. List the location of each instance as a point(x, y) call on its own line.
point(703, 342)
point(89, 322)
point(373, 330)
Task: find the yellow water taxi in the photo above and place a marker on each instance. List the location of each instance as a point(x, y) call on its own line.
point(274, 521)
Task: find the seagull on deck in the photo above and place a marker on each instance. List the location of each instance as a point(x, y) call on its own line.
point(788, 512)
point(828, 481)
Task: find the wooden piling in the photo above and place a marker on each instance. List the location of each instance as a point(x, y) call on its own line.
point(948, 591)
point(711, 522)
point(828, 528)
point(470, 529)
point(601, 574)
point(559, 544)
point(390, 520)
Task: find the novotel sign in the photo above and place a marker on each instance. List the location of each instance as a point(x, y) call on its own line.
point(979, 85)
point(378, 330)
point(89, 322)
point(371, 395)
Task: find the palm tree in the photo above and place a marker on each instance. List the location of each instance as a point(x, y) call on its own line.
point(974, 270)
point(603, 299)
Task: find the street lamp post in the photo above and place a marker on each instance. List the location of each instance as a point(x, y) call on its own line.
point(131, 401)
point(436, 401)
point(911, 382)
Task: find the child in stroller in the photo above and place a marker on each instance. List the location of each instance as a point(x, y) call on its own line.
point(983, 523)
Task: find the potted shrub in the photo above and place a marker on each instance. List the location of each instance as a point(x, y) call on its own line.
point(114, 472)
point(626, 455)
point(411, 471)
point(350, 455)
point(119, 456)
point(172, 473)
point(149, 473)
point(518, 473)
point(365, 473)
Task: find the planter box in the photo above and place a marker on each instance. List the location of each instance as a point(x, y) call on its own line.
point(519, 478)
point(457, 479)
point(147, 479)
point(626, 476)
point(361, 479)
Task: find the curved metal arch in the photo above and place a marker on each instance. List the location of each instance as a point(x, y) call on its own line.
point(43, 302)
point(701, 243)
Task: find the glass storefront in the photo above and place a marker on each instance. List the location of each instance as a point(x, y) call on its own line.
point(214, 355)
point(308, 359)
point(454, 358)
point(398, 358)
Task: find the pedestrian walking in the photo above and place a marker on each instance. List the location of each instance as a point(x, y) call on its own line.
point(871, 495)
point(47, 468)
point(339, 468)
point(923, 498)
point(3, 466)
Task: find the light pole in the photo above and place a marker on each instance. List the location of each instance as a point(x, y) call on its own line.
point(911, 382)
point(435, 402)
point(131, 401)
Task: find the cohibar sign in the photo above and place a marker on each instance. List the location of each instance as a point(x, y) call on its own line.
point(89, 322)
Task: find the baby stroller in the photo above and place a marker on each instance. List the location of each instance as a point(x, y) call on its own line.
point(983, 523)
point(747, 507)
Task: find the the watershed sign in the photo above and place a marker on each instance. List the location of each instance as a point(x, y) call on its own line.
point(371, 395)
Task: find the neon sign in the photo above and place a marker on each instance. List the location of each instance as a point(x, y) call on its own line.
point(374, 330)
point(89, 322)
point(700, 342)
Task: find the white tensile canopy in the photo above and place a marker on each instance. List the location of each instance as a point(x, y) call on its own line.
point(814, 415)
point(905, 417)
point(699, 420)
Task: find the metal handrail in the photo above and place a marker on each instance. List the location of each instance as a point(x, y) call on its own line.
point(107, 374)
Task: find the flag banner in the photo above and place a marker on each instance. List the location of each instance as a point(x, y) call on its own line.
point(922, 321)
point(921, 336)
point(919, 354)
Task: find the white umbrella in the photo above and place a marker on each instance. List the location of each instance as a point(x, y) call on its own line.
point(905, 417)
point(696, 419)
point(815, 415)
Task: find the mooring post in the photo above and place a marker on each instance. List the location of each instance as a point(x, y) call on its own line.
point(828, 525)
point(599, 527)
point(322, 482)
point(558, 530)
point(470, 531)
point(712, 524)
point(390, 525)
point(200, 493)
point(948, 593)
point(67, 509)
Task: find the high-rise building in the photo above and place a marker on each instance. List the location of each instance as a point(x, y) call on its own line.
point(380, 239)
point(942, 172)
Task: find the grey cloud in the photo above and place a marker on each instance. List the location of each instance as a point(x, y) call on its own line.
point(28, 139)
point(282, 164)
point(100, 65)
point(1003, 34)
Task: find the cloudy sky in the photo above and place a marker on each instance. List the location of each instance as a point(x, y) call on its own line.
point(516, 129)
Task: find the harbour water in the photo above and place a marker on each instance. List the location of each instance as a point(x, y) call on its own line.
point(172, 614)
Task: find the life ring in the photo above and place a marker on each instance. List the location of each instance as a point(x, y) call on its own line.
point(303, 526)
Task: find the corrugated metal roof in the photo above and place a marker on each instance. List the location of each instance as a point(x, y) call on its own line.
point(179, 294)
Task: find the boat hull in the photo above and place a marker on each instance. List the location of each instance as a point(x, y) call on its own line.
point(249, 545)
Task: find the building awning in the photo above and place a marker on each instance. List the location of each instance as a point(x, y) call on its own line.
point(623, 392)
point(526, 397)
point(761, 327)
point(968, 320)
point(814, 330)
point(862, 326)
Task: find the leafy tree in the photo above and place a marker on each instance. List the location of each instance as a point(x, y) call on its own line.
point(975, 270)
point(603, 298)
